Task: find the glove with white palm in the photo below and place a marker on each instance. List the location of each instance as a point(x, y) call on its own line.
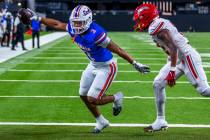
point(141, 67)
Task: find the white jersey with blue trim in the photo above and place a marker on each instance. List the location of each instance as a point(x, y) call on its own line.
point(93, 42)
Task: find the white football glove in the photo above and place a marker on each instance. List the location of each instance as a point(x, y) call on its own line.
point(35, 16)
point(140, 67)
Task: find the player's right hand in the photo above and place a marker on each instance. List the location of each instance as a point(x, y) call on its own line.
point(171, 78)
point(140, 67)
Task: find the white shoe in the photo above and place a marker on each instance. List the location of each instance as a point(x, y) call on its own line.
point(100, 126)
point(117, 105)
point(158, 125)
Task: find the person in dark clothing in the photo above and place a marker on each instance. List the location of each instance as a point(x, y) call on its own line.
point(35, 24)
point(18, 34)
point(8, 29)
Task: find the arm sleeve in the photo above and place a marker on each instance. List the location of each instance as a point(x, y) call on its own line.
point(102, 40)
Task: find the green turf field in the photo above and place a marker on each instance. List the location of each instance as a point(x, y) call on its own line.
point(27, 36)
point(35, 87)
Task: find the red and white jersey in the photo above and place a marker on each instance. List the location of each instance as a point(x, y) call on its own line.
point(160, 24)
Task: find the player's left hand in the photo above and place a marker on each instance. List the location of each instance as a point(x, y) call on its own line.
point(171, 78)
point(141, 68)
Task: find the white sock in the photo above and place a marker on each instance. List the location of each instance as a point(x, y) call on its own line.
point(100, 118)
point(117, 96)
point(161, 117)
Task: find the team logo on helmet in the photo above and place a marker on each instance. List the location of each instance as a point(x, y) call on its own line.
point(144, 15)
point(80, 19)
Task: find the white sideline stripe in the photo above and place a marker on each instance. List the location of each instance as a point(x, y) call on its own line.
point(77, 81)
point(93, 124)
point(6, 53)
point(121, 71)
point(126, 97)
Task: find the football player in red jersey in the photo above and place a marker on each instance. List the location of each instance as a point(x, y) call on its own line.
point(183, 59)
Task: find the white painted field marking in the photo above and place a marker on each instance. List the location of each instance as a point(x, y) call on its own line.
point(81, 58)
point(31, 63)
point(126, 48)
point(80, 54)
point(93, 124)
point(205, 64)
point(6, 53)
point(77, 81)
point(120, 71)
point(129, 51)
point(126, 97)
point(205, 54)
point(85, 58)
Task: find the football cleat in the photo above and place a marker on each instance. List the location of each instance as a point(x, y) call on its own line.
point(158, 125)
point(117, 105)
point(100, 126)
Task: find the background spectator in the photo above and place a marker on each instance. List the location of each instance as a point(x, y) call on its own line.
point(35, 24)
point(18, 35)
point(7, 29)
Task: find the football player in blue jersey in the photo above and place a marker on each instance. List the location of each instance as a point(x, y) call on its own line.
point(102, 69)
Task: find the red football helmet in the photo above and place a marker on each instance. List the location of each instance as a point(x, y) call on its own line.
point(144, 15)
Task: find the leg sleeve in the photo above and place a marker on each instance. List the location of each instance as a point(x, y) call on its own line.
point(159, 88)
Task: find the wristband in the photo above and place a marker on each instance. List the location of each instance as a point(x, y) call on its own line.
point(134, 62)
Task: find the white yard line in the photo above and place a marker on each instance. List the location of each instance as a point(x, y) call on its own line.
point(93, 124)
point(126, 48)
point(80, 54)
point(120, 71)
point(126, 97)
point(129, 51)
point(6, 53)
point(31, 63)
point(77, 81)
point(205, 64)
point(205, 54)
point(82, 58)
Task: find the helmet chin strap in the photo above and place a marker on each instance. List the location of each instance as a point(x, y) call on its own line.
point(155, 18)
